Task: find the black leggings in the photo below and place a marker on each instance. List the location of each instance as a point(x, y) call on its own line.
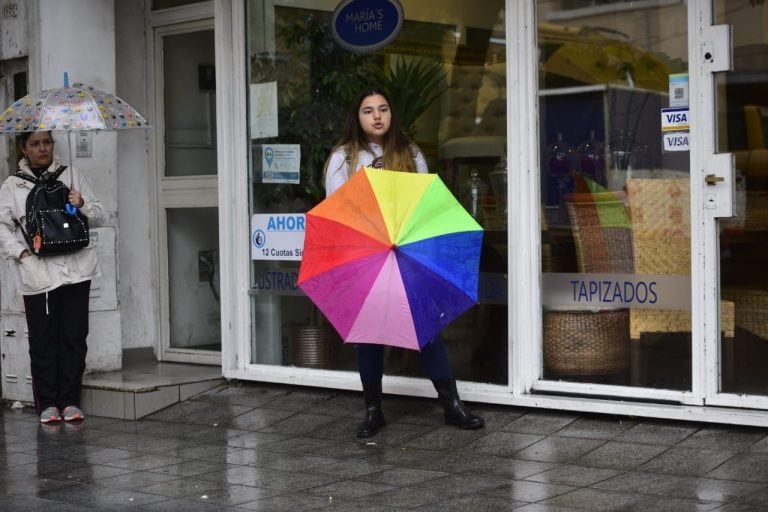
point(433, 358)
point(58, 326)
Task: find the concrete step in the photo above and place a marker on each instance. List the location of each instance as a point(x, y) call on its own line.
point(144, 386)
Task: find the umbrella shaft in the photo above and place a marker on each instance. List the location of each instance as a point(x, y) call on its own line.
point(71, 173)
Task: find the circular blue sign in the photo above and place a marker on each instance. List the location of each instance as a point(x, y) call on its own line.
point(366, 25)
point(259, 238)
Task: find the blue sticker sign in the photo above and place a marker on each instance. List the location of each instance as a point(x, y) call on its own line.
point(366, 25)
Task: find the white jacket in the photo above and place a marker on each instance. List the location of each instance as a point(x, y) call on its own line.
point(43, 274)
point(338, 171)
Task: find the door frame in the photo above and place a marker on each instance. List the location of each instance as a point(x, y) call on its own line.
point(173, 192)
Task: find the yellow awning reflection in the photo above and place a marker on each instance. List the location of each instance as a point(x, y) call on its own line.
point(587, 56)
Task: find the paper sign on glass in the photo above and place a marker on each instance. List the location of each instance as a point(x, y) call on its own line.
point(263, 112)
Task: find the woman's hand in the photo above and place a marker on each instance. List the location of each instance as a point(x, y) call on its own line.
point(75, 199)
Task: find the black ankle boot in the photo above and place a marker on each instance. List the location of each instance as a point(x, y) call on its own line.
point(374, 418)
point(456, 413)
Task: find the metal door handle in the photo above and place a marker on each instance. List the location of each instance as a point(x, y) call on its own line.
point(711, 179)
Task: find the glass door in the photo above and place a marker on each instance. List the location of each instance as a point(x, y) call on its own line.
point(741, 96)
point(615, 201)
point(187, 193)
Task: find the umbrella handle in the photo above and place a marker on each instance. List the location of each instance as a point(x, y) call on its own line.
point(71, 209)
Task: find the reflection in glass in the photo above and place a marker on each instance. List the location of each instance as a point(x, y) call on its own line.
point(607, 190)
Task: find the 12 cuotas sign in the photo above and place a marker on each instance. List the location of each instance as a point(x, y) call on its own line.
point(276, 236)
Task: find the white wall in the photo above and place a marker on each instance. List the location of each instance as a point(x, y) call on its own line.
point(137, 289)
point(14, 35)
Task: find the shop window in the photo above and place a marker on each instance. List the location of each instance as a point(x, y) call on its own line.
point(615, 201)
point(446, 73)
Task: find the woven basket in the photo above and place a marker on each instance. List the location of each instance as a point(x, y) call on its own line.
point(593, 343)
point(661, 225)
point(586, 343)
point(751, 309)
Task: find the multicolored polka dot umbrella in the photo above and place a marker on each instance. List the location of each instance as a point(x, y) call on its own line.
point(391, 258)
point(76, 108)
point(70, 109)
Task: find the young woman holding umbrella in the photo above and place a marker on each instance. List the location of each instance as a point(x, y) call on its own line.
point(373, 137)
point(55, 287)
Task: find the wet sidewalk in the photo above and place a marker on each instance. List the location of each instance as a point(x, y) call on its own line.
point(249, 446)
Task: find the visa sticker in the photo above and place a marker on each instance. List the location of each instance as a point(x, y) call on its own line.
point(676, 141)
point(675, 119)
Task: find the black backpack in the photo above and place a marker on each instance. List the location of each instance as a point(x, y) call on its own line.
point(53, 226)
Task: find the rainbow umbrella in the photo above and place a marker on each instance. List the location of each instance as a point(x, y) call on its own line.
point(391, 258)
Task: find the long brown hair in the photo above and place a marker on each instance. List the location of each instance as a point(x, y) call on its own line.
point(399, 151)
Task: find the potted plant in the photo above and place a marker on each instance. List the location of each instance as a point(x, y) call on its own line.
point(318, 82)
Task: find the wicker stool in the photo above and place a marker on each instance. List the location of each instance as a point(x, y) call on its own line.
point(751, 309)
point(586, 343)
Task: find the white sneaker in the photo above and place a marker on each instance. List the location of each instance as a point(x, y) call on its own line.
point(73, 413)
point(50, 415)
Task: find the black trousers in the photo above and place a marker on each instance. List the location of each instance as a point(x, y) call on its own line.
point(433, 358)
point(58, 327)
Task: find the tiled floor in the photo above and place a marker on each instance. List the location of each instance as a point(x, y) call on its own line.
point(278, 448)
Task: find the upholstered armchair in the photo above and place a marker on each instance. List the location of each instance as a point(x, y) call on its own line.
point(473, 124)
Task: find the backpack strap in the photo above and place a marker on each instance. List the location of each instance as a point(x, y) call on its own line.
point(26, 177)
point(54, 176)
point(57, 172)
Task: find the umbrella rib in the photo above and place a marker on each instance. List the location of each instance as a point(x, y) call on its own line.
point(42, 104)
point(98, 110)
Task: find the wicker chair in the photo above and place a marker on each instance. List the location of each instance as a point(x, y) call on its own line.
point(751, 309)
point(588, 343)
point(661, 226)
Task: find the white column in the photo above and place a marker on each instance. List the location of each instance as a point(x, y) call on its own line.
point(78, 37)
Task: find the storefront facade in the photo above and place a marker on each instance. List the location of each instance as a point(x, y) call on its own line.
point(619, 157)
point(625, 230)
